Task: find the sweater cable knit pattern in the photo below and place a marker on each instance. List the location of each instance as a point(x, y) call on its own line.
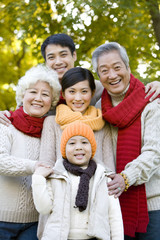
point(16, 168)
point(145, 168)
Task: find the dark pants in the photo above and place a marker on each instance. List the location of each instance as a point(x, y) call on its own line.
point(18, 231)
point(153, 228)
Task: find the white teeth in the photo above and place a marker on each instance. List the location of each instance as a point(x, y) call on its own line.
point(79, 156)
point(113, 83)
point(60, 69)
point(78, 104)
point(34, 105)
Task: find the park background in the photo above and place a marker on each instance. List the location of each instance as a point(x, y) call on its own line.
point(25, 24)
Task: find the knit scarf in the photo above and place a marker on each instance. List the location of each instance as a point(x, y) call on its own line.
point(92, 117)
point(31, 126)
point(127, 117)
point(85, 176)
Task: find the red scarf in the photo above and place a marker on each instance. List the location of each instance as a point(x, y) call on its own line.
point(127, 117)
point(61, 99)
point(31, 126)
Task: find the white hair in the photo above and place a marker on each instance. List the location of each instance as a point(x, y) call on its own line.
point(38, 73)
point(107, 48)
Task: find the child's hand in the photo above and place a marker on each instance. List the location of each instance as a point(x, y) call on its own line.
point(44, 171)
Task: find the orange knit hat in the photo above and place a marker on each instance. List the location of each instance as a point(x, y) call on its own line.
point(77, 128)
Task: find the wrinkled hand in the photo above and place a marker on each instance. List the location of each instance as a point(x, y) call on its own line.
point(153, 87)
point(3, 119)
point(116, 186)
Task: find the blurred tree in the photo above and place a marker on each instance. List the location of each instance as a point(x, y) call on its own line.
point(24, 24)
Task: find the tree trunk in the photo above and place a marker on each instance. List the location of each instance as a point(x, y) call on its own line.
point(153, 6)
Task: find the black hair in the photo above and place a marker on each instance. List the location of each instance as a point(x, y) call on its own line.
point(75, 75)
point(61, 39)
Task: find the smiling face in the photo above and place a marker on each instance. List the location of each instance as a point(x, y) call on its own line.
point(59, 59)
point(78, 96)
point(37, 99)
point(113, 73)
point(78, 151)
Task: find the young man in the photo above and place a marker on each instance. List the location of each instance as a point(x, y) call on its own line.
point(60, 54)
point(135, 130)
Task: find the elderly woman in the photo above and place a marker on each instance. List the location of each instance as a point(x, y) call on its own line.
point(135, 131)
point(37, 92)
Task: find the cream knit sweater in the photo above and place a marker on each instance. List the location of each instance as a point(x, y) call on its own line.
point(16, 167)
point(146, 167)
point(51, 137)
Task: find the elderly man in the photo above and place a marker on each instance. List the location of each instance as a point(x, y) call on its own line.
point(135, 128)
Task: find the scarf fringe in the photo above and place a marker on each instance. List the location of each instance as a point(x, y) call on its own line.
point(131, 229)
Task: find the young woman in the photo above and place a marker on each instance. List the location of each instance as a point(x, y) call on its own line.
point(36, 92)
point(78, 87)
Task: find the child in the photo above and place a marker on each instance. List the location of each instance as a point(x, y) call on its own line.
point(75, 196)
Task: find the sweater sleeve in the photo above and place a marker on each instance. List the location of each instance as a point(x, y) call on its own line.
point(42, 194)
point(107, 150)
point(115, 219)
point(98, 92)
point(11, 165)
point(48, 141)
point(145, 165)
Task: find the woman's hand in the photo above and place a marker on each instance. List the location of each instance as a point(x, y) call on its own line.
point(45, 172)
point(3, 119)
point(153, 87)
point(42, 168)
point(116, 186)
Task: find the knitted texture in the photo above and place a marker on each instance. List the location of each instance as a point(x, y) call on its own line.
point(101, 219)
point(52, 132)
point(92, 117)
point(146, 166)
point(31, 126)
point(127, 117)
point(16, 168)
point(77, 128)
point(85, 176)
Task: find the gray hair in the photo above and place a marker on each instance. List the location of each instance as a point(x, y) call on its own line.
point(38, 73)
point(107, 48)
